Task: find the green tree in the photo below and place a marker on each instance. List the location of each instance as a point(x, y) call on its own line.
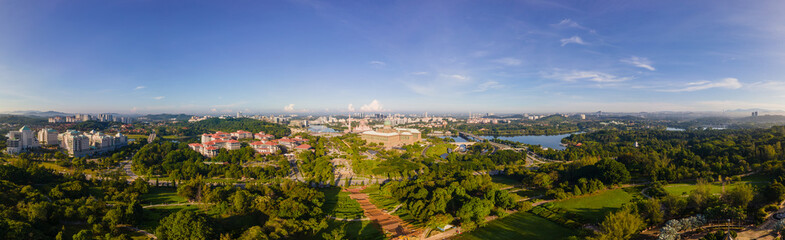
point(739, 196)
point(184, 225)
point(620, 225)
point(613, 172)
point(83, 235)
point(253, 233)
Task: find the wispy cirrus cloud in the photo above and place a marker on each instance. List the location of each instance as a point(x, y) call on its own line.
point(488, 85)
point(569, 23)
point(508, 61)
point(158, 97)
point(593, 76)
point(640, 62)
point(140, 87)
point(726, 83)
point(377, 63)
point(574, 40)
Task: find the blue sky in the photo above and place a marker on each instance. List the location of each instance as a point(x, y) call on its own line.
point(438, 56)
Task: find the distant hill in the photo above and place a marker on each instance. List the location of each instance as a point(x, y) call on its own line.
point(23, 120)
point(38, 113)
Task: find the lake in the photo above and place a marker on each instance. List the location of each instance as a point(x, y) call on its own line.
point(457, 139)
point(546, 141)
point(321, 128)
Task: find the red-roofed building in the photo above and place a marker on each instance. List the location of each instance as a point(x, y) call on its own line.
point(263, 136)
point(265, 147)
point(240, 134)
point(303, 147)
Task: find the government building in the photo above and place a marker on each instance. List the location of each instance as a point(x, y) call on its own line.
point(392, 137)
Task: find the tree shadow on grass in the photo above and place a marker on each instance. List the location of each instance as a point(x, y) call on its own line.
point(589, 215)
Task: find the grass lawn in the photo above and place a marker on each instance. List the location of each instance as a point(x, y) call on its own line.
point(594, 207)
point(684, 189)
point(521, 225)
point(338, 204)
point(355, 230)
point(438, 149)
point(161, 195)
point(382, 202)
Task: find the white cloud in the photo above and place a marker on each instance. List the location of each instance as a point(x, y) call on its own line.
point(640, 62)
point(458, 76)
point(139, 87)
point(351, 107)
point(508, 61)
point(569, 23)
point(727, 83)
point(377, 63)
point(488, 85)
point(134, 109)
point(420, 73)
point(374, 106)
point(593, 76)
point(573, 39)
point(159, 98)
point(289, 108)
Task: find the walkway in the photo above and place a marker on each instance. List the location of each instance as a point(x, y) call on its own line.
point(389, 223)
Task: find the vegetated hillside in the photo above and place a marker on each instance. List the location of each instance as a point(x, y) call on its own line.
point(234, 124)
point(165, 117)
point(23, 120)
point(92, 125)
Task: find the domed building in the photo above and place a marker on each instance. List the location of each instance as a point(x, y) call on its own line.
point(392, 137)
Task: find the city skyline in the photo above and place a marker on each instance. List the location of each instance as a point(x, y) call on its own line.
point(137, 57)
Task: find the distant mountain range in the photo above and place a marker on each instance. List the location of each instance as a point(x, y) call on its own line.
point(38, 113)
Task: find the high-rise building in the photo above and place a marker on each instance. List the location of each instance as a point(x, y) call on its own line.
point(583, 116)
point(48, 136)
point(22, 140)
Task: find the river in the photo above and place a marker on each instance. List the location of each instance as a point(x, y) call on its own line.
point(546, 141)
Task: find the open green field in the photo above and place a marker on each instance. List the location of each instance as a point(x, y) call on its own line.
point(521, 225)
point(594, 207)
point(684, 189)
point(438, 149)
point(338, 204)
point(355, 230)
point(152, 216)
point(161, 195)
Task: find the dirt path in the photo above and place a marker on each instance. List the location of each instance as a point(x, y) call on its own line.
point(389, 223)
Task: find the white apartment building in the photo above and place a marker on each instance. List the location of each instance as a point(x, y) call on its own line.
point(22, 140)
point(48, 136)
point(81, 144)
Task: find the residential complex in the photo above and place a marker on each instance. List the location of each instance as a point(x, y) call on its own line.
point(48, 136)
point(86, 117)
point(20, 141)
point(211, 143)
point(80, 144)
point(391, 137)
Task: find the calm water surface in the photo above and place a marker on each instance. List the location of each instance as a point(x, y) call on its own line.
point(546, 141)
